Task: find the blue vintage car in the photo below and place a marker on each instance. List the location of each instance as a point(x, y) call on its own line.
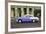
point(27, 19)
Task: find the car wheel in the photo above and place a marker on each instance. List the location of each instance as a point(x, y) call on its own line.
point(33, 21)
point(19, 20)
point(37, 21)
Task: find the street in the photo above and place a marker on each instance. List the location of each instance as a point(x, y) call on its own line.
point(24, 25)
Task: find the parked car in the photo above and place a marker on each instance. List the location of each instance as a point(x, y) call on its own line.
point(27, 19)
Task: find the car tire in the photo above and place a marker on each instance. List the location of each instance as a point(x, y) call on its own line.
point(33, 21)
point(37, 21)
point(19, 20)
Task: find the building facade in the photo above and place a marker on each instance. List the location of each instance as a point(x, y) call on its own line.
point(18, 11)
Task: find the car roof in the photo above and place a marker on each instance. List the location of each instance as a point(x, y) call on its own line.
point(28, 15)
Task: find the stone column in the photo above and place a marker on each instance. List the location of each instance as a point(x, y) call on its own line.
point(22, 11)
point(16, 12)
point(33, 11)
point(27, 10)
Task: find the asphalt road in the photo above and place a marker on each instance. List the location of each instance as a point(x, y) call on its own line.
point(24, 25)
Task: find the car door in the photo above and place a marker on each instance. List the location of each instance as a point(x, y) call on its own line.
point(26, 18)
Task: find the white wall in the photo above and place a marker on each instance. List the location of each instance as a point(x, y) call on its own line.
point(2, 16)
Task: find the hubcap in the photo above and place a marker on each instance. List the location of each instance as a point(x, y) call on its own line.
point(19, 20)
point(33, 20)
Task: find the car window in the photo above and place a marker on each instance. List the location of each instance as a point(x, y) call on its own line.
point(28, 16)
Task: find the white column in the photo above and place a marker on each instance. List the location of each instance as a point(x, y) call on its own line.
point(27, 10)
point(16, 12)
point(22, 11)
point(33, 11)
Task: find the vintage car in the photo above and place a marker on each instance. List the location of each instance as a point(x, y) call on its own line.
point(27, 19)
